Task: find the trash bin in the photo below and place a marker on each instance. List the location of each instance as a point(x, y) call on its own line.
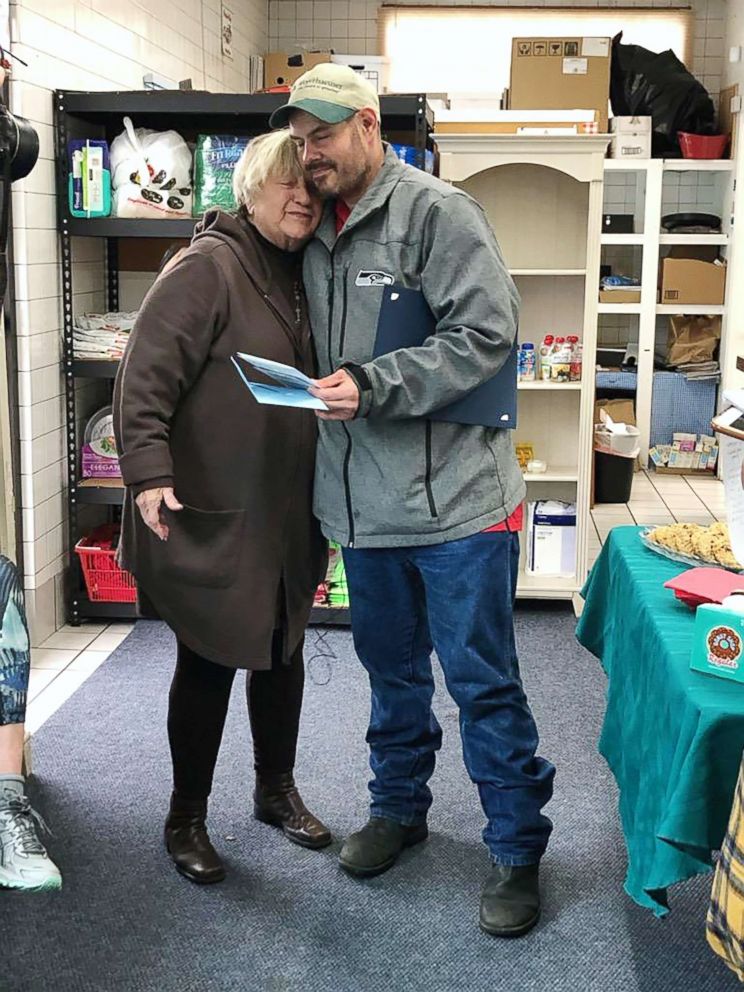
point(613, 476)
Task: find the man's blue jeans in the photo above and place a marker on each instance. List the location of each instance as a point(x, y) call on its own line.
point(458, 599)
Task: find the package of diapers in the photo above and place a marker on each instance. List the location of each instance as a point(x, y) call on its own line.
point(215, 159)
point(150, 173)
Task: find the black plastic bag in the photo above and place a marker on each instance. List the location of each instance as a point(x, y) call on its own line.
point(643, 83)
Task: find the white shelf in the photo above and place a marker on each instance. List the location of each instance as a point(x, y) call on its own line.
point(693, 239)
point(670, 165)
point(558, 386)
point(698, 165)
point(559, 473)
point(618, 308)
point(689, 308)
point(545, 586)
point(579, 273)
point(626, 165)
point(622, 239)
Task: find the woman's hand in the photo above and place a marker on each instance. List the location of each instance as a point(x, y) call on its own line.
point(149, 503)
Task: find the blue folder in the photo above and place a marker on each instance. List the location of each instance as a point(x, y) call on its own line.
point(406, 321)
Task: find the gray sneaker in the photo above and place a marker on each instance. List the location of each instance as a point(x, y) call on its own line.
point(24, 862)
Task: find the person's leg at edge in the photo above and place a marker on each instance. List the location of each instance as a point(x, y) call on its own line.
point(197, 708)
point(470, 590)
point(24, 862)
point(274, 704)
point(391, 638)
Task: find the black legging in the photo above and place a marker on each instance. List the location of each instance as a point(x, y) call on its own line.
point(199, 697)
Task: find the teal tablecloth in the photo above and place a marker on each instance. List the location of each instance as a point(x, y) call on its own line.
point(673, 738)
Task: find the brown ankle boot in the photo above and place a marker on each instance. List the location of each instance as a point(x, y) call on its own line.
point(188, 844)
point(278, 803)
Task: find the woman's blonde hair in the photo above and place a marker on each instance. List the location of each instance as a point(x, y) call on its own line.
point(273, 154)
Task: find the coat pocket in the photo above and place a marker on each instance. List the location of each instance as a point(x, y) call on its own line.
point(203, 546)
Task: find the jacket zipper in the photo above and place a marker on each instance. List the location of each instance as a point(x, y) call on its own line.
point(429, 492)
point(347, 457)
point(342, 340)
point(347, 484)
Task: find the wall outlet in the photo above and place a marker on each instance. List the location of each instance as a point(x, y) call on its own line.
point(735, 53)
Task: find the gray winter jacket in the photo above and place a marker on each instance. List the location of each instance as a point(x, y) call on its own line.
point(392, 477)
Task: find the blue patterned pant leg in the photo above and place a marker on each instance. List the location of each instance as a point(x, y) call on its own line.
point(15, 654)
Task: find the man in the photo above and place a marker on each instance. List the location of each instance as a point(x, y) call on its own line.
point(426, 511)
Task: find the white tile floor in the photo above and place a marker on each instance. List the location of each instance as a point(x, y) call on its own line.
point(659, 499)
point(62, 663)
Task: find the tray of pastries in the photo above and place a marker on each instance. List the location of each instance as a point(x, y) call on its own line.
point(693, 544)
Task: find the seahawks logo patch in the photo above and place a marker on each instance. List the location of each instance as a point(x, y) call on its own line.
point(374, 277)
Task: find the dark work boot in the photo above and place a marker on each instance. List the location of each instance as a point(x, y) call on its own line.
point(188, 844)
point(375, 848)
point(510, 901)
point(278, 803)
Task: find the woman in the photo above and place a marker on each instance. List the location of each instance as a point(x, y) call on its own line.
point(218, 526)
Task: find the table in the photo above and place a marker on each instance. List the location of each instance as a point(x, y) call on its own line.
point(673, 738)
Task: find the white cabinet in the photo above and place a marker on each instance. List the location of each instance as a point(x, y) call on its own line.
point(543, 197)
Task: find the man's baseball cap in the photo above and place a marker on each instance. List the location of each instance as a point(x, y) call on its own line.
point(330, 92)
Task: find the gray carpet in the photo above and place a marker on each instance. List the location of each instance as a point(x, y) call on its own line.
point(287, 920)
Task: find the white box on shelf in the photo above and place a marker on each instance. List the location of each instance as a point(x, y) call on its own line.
point(551, 538)
point(631, 137)
point(372, 67)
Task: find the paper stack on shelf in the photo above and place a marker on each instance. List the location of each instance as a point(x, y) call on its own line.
point(101, 337)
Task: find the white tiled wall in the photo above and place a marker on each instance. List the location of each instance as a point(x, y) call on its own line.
point(351, 27)
point(99, 45)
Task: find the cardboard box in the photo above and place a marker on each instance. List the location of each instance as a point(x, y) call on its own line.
point(561, 73)
point(688, 280)
point(718, 642)
point(631, 137)
point(620, 295)
point(460, 119)
point(284, 68)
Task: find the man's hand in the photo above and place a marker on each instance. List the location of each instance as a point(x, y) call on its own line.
point(340, 394)
point(149, 503)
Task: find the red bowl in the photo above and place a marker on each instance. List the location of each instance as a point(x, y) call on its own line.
point(702, 145)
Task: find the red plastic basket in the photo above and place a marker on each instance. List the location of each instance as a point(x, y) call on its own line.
point(702, 145)
point(105, 581)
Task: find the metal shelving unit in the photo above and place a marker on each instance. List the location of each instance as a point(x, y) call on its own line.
point(99, 115)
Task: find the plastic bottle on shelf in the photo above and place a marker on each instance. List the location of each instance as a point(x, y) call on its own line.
point(560, 361)
point(545, 351)
point(527, 362)
point(576, 358)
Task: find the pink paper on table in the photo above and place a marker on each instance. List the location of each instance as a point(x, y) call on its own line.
point(705, 585)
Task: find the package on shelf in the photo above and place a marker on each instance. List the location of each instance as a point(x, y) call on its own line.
point(693, 452)
point(151, 173)
point(457, 119)
point(525, 452)
point(692, 281)
point(101, 336)
point(215, 158)
point(333, 591)
point(631, 137)
point(551, 538)
point(561, 73)
point(373, 68)
point(99, 456)
point(89, 180)
point(409, 155)
point(284, 68)
point(692, 340)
